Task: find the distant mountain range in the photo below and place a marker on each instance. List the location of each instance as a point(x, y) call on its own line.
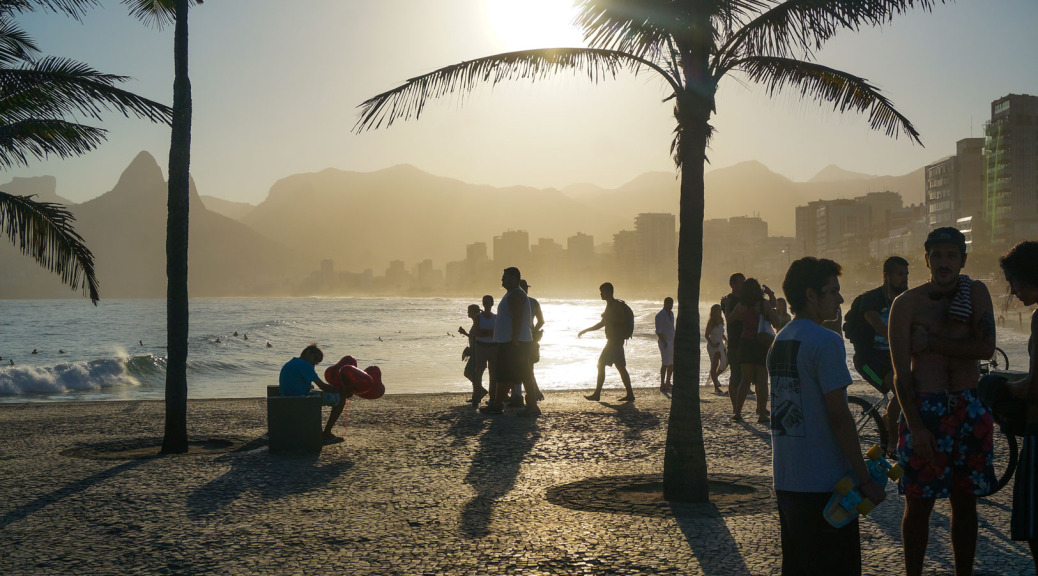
point(364, 219)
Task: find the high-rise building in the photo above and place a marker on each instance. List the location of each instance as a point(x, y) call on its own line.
point(1011, 169)
point(657, 245)
point(512, 248)
point(955, 185)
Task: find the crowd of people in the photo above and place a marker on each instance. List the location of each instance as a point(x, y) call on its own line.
point(923, 343)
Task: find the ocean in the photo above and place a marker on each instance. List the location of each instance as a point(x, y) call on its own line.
point(117, 351)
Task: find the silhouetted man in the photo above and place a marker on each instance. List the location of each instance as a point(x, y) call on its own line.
point(728, 304)
point(613, 353)
point(665, 342)
point(872, 349)
point(513, 335)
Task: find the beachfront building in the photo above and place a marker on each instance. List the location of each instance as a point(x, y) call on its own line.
point(955, 185)
point(1011, 170)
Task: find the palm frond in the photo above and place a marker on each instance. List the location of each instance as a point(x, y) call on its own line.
point(797, 27)
point(409, 99)
point(55, 87)
point(15, 45)
point(72, 8)
point(157, 13)
point(823, 84)
point(44, 232)
point(39, 139)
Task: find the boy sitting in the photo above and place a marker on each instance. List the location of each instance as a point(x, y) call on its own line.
point(296, 378)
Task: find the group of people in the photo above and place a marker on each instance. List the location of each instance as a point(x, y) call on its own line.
point(753, 315)
point(925, 344)
point(506, 344)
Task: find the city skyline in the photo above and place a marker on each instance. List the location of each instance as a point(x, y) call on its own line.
point(264, 111)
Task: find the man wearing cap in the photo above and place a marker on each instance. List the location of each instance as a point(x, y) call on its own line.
point(937, 332)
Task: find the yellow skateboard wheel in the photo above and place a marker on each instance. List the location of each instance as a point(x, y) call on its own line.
point(895, 472)
point(865, 507)
point(875, 453)
point(844, 486)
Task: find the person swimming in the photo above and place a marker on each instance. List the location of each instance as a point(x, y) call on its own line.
point(33, 350)
point(269, 345)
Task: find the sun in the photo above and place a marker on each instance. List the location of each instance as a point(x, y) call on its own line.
point(532, 23)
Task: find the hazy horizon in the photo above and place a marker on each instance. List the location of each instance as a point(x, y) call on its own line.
point(266, 110)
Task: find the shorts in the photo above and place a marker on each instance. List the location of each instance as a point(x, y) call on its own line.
point(613, 354)
point(513, 362)
point(962, 427)
point(330, 398)
point(1024, 522)
point(874, 365)
point(666, 353)
point(752, 351)
point(809, 544)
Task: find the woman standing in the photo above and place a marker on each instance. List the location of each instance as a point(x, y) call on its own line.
point(715, 343)
point(757, 316)
point(1020, 266)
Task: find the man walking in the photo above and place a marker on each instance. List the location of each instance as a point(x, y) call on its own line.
point(665, 341)
point(618, 321)
point(938, 331)
point(814, 441)
point(535, 347)
point(866, 328)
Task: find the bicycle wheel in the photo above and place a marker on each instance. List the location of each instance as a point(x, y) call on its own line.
point(868, 421)
point(999, 360)
point(1006, 455)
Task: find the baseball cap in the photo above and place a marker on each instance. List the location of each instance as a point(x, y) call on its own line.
point(945, 235)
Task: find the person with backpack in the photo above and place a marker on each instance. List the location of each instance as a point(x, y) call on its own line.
point(618, 321)
point(866, 328)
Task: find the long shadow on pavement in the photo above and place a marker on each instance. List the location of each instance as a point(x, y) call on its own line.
point(271, 477)
point(495, 467)
point(636, 421)
point(30, 508)
point(713, 545)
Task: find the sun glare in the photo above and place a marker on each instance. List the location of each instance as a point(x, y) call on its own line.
point(532, 23)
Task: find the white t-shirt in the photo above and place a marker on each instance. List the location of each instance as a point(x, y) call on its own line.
point(806, 362)
point(503, 324)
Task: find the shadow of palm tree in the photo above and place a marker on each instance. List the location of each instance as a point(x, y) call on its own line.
point(30, 508)
point(271, 477)
point(713, 545)
point(494, 469)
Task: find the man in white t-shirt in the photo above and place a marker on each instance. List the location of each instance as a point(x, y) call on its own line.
point(814, 441)
point(665, 341)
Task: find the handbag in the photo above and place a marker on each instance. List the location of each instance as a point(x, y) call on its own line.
point(765, 333)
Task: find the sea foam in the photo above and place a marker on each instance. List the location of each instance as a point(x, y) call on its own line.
point(73, 377)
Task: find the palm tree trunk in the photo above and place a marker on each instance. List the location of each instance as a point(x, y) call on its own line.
point(684, 463)
point(175, 440)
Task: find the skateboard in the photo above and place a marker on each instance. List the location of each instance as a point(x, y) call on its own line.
point(847, 501)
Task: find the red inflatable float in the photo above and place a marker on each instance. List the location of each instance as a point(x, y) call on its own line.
point(366, 383)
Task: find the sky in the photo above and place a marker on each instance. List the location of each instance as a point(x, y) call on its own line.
point(276, 87)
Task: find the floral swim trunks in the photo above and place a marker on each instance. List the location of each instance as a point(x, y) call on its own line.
point(962, 427)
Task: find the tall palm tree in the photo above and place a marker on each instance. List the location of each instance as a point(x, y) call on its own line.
point(38, 96)
point(161, 12)
point(691, 45)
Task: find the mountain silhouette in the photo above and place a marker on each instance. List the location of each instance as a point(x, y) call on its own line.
point(125, 228)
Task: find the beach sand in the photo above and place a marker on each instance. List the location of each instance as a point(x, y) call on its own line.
point(423, 484)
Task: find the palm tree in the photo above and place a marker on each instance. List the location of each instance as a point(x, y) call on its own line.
point(691, 45)
point(37, 98)
point(161, 12)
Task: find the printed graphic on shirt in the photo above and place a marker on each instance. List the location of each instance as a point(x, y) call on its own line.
point(787, 412)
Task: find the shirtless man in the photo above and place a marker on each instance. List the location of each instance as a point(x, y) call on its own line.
point(938, 332)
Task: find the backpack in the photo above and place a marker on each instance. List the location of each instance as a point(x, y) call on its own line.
point(626, 325)
point(855, 328)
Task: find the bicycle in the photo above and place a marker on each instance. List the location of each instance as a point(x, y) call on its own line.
point(868, 421)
